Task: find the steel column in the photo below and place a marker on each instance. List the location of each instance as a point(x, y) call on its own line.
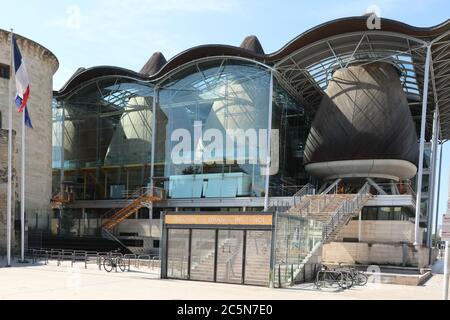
point(63, 129)
point(432, 187)
point(439, 191)
point(269, 144)
point(152, 169)
point(422, 145)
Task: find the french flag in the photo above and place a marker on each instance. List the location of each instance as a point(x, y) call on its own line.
point(22, 83)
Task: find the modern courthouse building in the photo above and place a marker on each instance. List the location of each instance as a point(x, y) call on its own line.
point(239, 166)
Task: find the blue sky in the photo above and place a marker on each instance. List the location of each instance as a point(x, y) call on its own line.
point(126, 32)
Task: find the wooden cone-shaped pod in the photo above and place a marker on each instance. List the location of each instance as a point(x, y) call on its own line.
point(363, 127)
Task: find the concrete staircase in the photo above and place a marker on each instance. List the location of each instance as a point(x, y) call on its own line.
point(320, 207)
point(139, 199)
point(334, 211)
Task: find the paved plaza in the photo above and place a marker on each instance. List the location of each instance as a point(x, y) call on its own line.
point(66, 283)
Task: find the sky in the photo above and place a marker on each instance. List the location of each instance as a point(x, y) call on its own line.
point(126, 33)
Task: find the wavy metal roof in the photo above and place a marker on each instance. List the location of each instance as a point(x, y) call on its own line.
point(305, 64)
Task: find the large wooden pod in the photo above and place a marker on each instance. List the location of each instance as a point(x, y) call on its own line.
point(363, 119)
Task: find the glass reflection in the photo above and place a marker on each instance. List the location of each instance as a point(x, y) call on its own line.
point(206, 101)
point(107, 138)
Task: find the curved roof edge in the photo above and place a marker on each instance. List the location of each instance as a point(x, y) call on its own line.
point(355, 24)
point(82, 75)
point(323, 31)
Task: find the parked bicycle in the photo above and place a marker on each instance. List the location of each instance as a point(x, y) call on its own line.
point(111, 263)
point(359, 278)
point(333, 279)
point(344, 278)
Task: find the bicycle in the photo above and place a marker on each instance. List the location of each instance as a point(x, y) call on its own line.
point(358, 277)
point(334, 278)
point(110, 263)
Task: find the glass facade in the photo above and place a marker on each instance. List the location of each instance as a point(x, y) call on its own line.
point(208, 130)
point(105, 129)
point(293, 122)
point(212, 127)
point(296, 237)
point(385, 214)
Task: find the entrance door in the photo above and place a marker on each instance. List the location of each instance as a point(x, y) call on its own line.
point(230, 256)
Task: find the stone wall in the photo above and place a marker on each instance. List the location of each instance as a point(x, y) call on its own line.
point(41, 65)
point(4, 191)
point(387, 232)
point(376, 254)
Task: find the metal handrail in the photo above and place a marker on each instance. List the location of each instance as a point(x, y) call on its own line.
point(347, 207)
point(407, 186)
point(143, 191)
point(308, 189)
point(304, 206)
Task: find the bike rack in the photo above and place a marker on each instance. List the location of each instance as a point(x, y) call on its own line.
point(130, 257)
point(89, 257)
point(146, 257)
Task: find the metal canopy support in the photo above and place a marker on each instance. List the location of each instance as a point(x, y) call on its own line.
point(433, 179)
point(63, 133)
point(422, 144)
point(332, 186)
point(269, 144)
point(439, 191)
point(335, 55)
point(152, 166)
point(394, 189)
point(376, 186)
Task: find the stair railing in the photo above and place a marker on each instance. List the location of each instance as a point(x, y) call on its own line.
point(305, 208)
point(347, 208)
point(154, 192)
point(233, 258)
point(307, 190)
point(108, 235)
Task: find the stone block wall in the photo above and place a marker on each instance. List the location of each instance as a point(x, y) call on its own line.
point(387, 232)
point(376, 254)
point(4, 191)
point(41, 66)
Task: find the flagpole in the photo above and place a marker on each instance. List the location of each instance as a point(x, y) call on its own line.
point(10, 135)
point(22, 200)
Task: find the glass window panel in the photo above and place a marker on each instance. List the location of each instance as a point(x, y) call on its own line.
point(230, 256)
point(397, 214)
point(213, 189)
point(257, 258)
point(177, 254)
point(384, 213)
point(203, 255)
point(107, 126)
point(229, 188)
point(371, 214)
point(212, 100)
point(294, 123)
